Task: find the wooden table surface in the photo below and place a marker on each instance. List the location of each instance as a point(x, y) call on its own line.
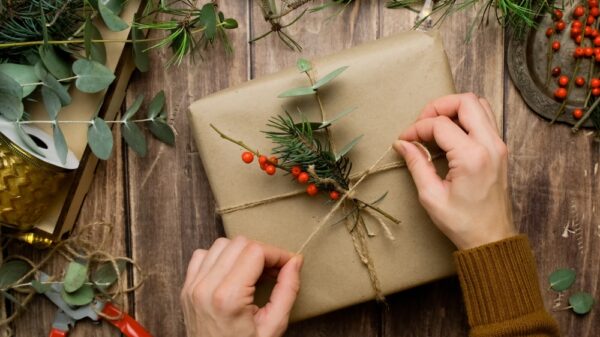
point(162, 206)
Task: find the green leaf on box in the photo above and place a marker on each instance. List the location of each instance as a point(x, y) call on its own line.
point(92, 76)
point(100, 138)
point(111, 20)
point(327, 78)
point(39, 287)
point(59, 89)
point(82, 296)
point(347, 148)
point(11, 107)
point(116, 6)
point(156, 105)
point(134, 137)
point(22, 74)
point(339, 116)
point(12, 271)
point(94, 51)
point(75, 276)
point(55, 64)
point(303, 65)
point(106, 275)
point(133, 108)
point(140, 52)
point(208, 19)
point(29, 143)
point(60, 143)
point(561, 279)
point(10, 86)
point(51, 102)
point(581, 303)
point(161, 130)
point(301, 91)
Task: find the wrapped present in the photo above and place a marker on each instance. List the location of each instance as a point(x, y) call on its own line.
point(388, 81)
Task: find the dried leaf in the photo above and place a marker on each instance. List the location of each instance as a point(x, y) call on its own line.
point(303, 65)
point(106, 275)
point(51, 102)
point(581, 303)
point(22, 74)
point(561, 279)
point(100, 138)
point(327, 78)
point(55, 64)
point(156, 105)
point(347, 148)
point(92, 76)
point(161, 130)
point(83, 296)
point(12, 271)
point(134, 137)
point(111, 20)
point(60, 143)
point(302, 91)
point(75, 276)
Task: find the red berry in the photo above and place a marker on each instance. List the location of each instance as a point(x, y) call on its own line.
point(549, 32)
point(579, 52)
point(595, 83)
point(590, 20)
point(262, 162)
point(296, 170)
point(560, 26)
point(270, 169)
point(555, 71)
point(312, 190)
point(247, 157)
point(575, 31)
point(560, 93)
point(578, 39)
point(334, 195)
point(555, 45)
point(595, 12)
point(596, 91)
point(578, 11)
point(563, 81)
point(579, 81)
point(557, 14)
point(593, 3)
point(273, 160)
point(303, 177)
point(577, 113)
point(597, 57)
point(588, 51)
point(576, 24)
point(588, 31)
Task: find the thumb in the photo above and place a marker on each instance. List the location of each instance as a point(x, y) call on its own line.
point(420, 167)
point(274, 316)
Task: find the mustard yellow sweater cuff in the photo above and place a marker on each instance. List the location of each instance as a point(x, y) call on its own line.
point(499, 281)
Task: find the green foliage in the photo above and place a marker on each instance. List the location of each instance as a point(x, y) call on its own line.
point(100, 138)
point(140, 53)
point(303, 65)
point(55, 64)
point(21, 73)
point(106, 275)
point(75, 276)
point(93, 51)
point(12, 271)
point(581, 303)
point(561, 279)
point(327, 78)
point(111, 19)
point(300, 91)
point(60, 143)
point(82, 296)
point(92, 76)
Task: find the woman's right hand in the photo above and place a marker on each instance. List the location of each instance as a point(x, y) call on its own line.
point(470, 205)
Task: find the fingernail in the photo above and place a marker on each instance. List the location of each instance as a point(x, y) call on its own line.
point(400, 146)
point(299, 262)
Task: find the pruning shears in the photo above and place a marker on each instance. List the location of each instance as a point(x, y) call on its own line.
point(67, 316)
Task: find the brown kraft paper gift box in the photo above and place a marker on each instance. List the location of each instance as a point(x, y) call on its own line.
point(389, 81)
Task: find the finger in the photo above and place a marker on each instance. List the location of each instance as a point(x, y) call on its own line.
point(441, 129)
point(194, 266)
point(211, 257)
point(275, 315)
point(489, 112)
point(466, 107)
point(225, 262)
point(253, 261)
point(422, 170)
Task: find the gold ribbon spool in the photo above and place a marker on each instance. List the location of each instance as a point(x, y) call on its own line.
point(28, 182)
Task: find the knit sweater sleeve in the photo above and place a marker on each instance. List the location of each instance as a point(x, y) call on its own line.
point(501, 291)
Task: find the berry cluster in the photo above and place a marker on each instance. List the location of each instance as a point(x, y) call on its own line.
point(269, 165)
point(586, 37)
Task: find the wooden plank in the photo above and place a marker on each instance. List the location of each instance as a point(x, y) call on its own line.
point(320, 36)
point(437, 309)
point(171, 204)
point(105, 201)
point(555, 185)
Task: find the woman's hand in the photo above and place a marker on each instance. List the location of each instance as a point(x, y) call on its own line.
point(470, 205)
point(218, 293)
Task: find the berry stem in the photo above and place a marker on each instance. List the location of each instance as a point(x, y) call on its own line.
point(587, 115)
point(561, 109)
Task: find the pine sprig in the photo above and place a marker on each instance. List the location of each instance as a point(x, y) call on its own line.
point(297, 144)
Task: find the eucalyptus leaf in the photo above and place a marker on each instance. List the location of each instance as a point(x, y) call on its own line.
point(347, 148)
point(39, 70)
point(94, 51)
point(116, 6)
point(133, 108)
point(11, 298)
point(327, 78)
point(208, 19)
point(303, 65)
point(111, 20)
point(100, 138)
point(581, 302)
point(29, 143)
point(562, 279)
point(230, 23)
point(60, 143)
point(106, 275)
point(83, 296)
point(134, 137)
point(75, 276)
point(11, 107)
point(55, 64)
point(22, 74)
point(301, 91)
point(156, 105)
point(39, 287)
point(161, 130)
point(339, 116)
point(140, 52)
point(59, 89)
point(12, 271)
point(51, 102)
point(92, 76)
point(9, 86)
